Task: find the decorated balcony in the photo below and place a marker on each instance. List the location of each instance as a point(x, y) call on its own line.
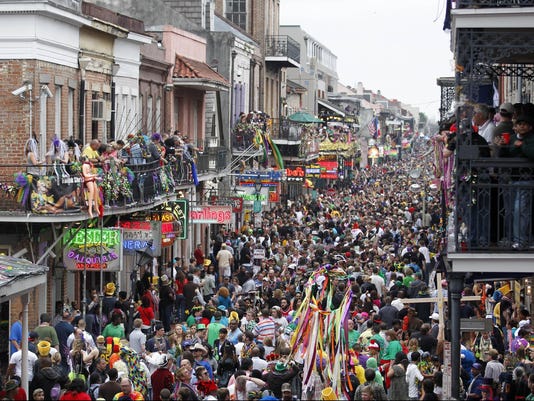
point(58, 192)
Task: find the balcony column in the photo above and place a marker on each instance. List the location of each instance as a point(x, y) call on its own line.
point(456, 284)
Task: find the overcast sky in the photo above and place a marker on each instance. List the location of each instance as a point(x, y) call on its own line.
point(396, 46)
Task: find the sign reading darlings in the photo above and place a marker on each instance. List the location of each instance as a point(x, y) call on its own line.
point(92, 249)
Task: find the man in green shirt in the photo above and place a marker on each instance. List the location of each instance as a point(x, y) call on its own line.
point(214, 327)
point(45, 331)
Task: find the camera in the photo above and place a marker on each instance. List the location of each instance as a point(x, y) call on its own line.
point(22, 89)
point(46, 90)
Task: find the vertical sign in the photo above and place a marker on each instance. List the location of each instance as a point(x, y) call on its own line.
point(447, 370)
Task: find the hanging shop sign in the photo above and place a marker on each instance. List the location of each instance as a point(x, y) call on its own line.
point(211, 214)
point(92, 249)
point(235, 201)
point(295, 173)
point(175, 212)
point(329, 170)
point(313, 171)
point(274, 196)
point(138, 235)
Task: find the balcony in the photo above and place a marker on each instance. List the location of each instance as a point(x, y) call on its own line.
point(57, 194)
point(213, 161)
point(285, 132)
point(283, 51)
point(494, 213)
point(493, 3)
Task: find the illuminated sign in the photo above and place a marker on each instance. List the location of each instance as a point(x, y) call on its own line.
point(211, 214)
point(295, 173)
point(328, 169)
point(138, 235)
point(175, 212)
point(313, 171)
point(92, 249)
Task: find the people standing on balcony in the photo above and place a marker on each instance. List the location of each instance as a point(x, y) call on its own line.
point(504, 130)
point(90, 185)
point(522, 145)
point(90, 151)
point(482, 118)
point(33, 159)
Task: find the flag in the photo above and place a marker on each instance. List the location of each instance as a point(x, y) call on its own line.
point(372, 126)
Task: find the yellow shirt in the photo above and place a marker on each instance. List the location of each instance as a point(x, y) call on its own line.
point(90, 153)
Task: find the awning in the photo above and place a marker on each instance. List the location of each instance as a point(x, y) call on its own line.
point(17, 278)
point(19, 275)
point(330, 107)
point(197, 75)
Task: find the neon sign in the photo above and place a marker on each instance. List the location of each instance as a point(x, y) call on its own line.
point(92, 249)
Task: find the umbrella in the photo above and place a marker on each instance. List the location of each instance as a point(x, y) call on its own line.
point(303, 117)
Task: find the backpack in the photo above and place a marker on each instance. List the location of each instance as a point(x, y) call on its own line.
point(55, 392)
point(91, 392)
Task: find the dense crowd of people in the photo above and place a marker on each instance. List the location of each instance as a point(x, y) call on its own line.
point(327, 312)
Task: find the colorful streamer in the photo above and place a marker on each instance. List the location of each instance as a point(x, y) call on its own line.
point(320, 338)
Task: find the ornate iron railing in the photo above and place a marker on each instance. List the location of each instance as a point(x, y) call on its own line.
point(282, 46)
point(494, 204)
point(493, 3)
point(59, 188)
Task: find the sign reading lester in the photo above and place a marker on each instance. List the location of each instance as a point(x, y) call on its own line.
point(211, 214)
point(92, 249)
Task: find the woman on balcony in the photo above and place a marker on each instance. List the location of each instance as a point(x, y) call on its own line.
point(89, 182)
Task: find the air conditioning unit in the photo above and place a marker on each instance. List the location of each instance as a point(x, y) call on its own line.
point(101, 110)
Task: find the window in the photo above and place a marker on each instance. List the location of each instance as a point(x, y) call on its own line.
point(57, 99)
point(236, 11)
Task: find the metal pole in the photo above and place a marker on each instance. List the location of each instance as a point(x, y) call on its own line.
point(113, 105)
point(456, 282)
point(101, 268)
point(84, 288)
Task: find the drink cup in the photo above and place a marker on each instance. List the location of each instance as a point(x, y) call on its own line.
point(506, 138)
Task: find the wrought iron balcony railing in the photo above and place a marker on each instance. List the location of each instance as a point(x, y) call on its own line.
point(59, 188)
point(493, 3)
point(494, 207)
point(282, 46)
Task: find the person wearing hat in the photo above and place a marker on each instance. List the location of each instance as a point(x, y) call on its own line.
point(109, 300)
point(522, 145)
point(166, 302)
point(13, 390)
point(282, 373)
point(287, 392)
point(162, 378)
point(474, 388)
point(200, 353)
point(505, 129)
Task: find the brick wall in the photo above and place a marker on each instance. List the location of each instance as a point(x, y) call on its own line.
point(15, 111)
